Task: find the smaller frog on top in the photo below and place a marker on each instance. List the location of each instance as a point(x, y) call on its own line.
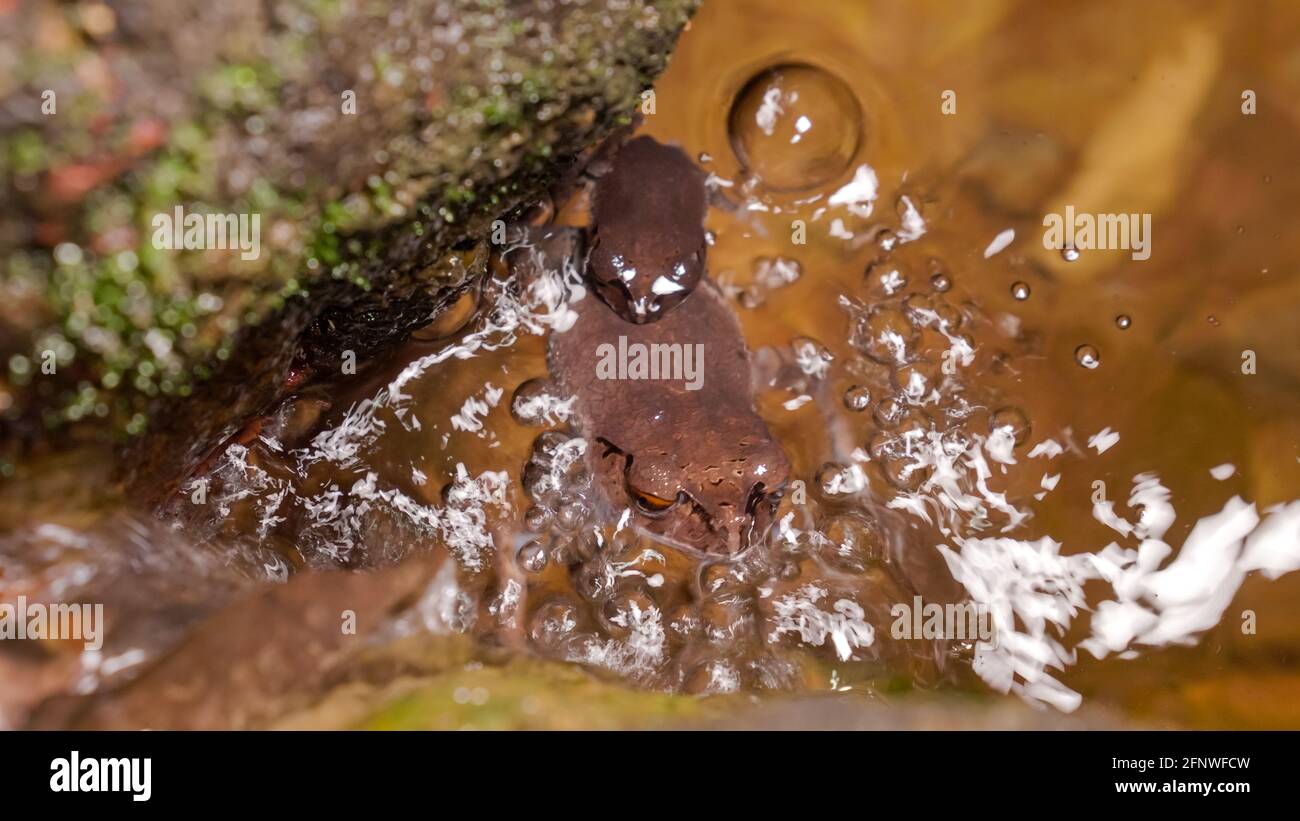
point(648, 247)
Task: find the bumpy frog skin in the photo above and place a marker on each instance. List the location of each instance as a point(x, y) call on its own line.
point(647, 247)
point(688, 457)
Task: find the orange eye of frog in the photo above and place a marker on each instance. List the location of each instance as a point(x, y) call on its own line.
point(650, 502)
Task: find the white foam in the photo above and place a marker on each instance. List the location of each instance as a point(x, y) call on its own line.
point(956, 492)
point(859, 194)
point(797, 402)
point(769, 111)
point(470, 417)
point(1035, 593)
point(1000, 242)
point(913, 226)
point(844, 624)
point(1223, 471)
point(1048, 447)
point(642, 652)
point(1103, 440)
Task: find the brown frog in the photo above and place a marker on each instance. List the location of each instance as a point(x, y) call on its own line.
point(647, 245)
point(666, 406)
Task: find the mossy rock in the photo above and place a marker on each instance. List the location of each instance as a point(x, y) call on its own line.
point(375, 141)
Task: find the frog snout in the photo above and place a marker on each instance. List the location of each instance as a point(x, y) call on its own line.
point(740, 527)
point(737, 538)
point(636, 300)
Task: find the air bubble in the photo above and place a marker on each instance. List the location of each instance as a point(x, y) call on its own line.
point(536, 518)
point(885, 335)
point(882, 445)
point(906, 473)
point(548, 444)
point(1123, 322)
point(857, 398)
point(911, 430)
point(553, 468)
point(916, 379)
point(553, 622)
point(812, 357)
point(593, 582)
point(1014, 419)
point(836, 480)
point(570, 515)
point(623, 610)
point(849, 544)
point(929, 311)
point(795, 127)
point(889, 412)
point(537, 403)
point(1069, 253)
point(532, 557)
point(941, 282)
point(1087, 356)
point(1020, 291)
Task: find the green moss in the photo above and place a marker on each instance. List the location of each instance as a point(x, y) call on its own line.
point(502, 110)
point(138, 322)
point(26, 153)
point(242, 88)
point(457, 195)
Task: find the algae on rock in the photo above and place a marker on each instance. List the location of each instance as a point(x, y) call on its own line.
point(375, 141)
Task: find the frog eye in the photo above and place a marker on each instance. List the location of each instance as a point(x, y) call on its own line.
point(650, 503)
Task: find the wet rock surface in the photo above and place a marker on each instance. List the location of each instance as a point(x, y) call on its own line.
point(271, 650)
point(375, 148)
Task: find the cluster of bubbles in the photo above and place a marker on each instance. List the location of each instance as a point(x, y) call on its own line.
point(913, 348)
point(601, 593)
point(558, 482)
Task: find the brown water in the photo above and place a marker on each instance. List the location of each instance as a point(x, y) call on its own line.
point(908, 365)
point(1111, 108)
